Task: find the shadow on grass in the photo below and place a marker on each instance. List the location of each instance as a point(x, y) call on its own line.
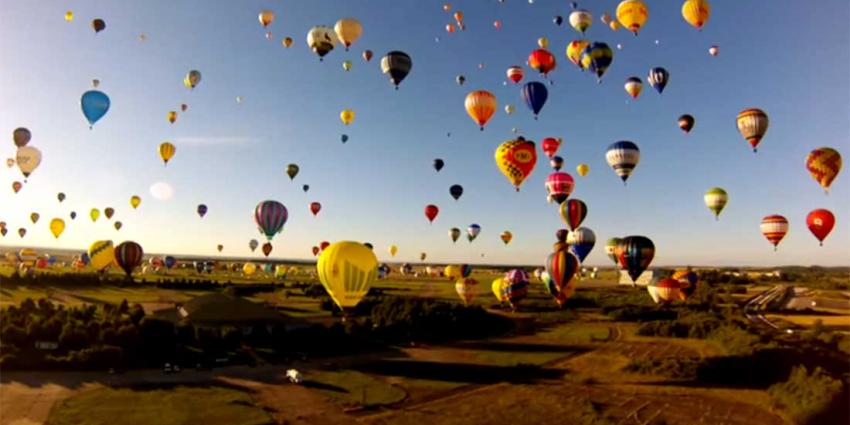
point(515, 347)
point(459, 372)
point(323, 386)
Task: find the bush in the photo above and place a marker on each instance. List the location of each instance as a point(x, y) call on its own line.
point(734, 340)
point(806, 397)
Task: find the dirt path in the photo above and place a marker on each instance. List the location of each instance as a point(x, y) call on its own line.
point(24, 405)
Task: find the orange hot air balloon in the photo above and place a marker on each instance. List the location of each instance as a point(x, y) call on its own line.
point(480, 105)
point(16, 186)
point(542, 61)
point(267, 248)
point(516, 160)
point(824, 164)
point(450, 28)
point(171, 116)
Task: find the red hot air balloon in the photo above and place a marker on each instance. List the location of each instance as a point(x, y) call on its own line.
point(128, 255)
point(774, 227)
point(267, 248)
point(820, 222)
point(559, 185)
point(315, 207)
point(542, 61)
point(324, 245)
point(515, 74)
point(550, 146)
point(315, 251)
point(431, 212)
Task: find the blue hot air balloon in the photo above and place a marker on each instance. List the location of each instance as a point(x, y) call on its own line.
point(581, 241)
point(534, 94)
point(597, 58)
point(170, 262)
point(95, 104)
point(658, 78)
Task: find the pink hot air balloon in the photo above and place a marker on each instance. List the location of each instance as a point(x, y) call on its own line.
point(559, 186)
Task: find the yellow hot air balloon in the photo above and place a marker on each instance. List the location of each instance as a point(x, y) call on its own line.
point(516, 160)
point(509, 109)
point(824, 164)
point(166, 151)
point(614, 25)
point(574, 50)
point(101, 254)
point(696, 12)
point(346, 116)
point(94, 214)
point(543, 42)
point(69, 16)
point(393, 250)
point(57, 226)
point(632, 14)
point(249, 268)
point(34, 217)
point(582, 169)
point(346, 65)
point(346, 270)
point(348, 30)
point(498, 289)
point(171, 116)
point(135, 201)
point(266, 18)
point(452, 272)
point(480, 105)
point(286, 42)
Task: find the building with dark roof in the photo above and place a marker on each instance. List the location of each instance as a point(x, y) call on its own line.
point(218, 310)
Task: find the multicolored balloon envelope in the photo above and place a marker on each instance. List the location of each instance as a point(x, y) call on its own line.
point(634, 254)
point(516, 160)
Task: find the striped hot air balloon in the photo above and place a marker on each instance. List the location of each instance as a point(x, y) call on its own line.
point(634, 254)
point(573, 213)
point(561, 266)
point(480, 105)
point(611, 249)
point(347, 270)
point(515, 288)
point(774, 228)
point(633, 87)
point(715, 199)
point(270, 217)
point(101, 254)
point(665, 291)
point(515, 73)
point(824, 164)
point(623, 157)
point(128, 255)
point(752, 123)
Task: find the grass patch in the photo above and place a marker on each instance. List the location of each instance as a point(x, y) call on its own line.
point(351, 388)
point(179, 405)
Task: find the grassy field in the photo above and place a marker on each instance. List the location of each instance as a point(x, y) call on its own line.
point(179, 405)
point(351, 388)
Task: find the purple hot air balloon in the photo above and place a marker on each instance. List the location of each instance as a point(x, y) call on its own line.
point(202, 210)
point(270, 217)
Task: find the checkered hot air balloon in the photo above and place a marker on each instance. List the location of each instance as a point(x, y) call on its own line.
point(824, 164)
point(270, 217)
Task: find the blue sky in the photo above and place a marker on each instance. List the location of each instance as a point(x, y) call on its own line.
point(789, 58)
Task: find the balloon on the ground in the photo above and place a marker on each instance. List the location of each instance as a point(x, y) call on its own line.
point(666, 291)
point(101, 254)
point(466, 288)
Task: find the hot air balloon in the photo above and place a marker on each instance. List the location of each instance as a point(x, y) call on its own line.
point(128, 255)
point(752, 124)
point(542, 61)
point(498, 288)
point(219, 247)
point(623, 157)
point(506, 237)
point(582, 169)
point(16, 186)
point(497, 24)
point(108, 212)
point(460, 79)
point(192, 79)
point(101, 254)
point(480, 105)
point(715, 199)
point(556, 163)
point(509, 109)
point(696, 12)
point(472, 232)
point(686, 123)
point(713, 50)
point(438, 164)
point(166, 151)
point(21, 136)
point(561, 267)
point(28, 159)
point(117, 225)
point(266, 17)
point(543, 42)
point(575, 50)
point(34, 217)
point(535, 94)
point(346, 270)
point(465, 288)
point(94, 104)
point(596, 58)
point(393, 250)
point(515, 288)
point(171, 116)
point(346, 116)
point(558, 20)
point(292, 171)
point(581, 241)
point(456, 191)
point(633, 87)
point(305, 188)
point(454, 233)
point(431, 212)
point(202, 210)
point(248, 269)
point(550, 146)
point(57, 226)
point(665, 291)
point(632, 14)
point(69, 16)
point(135, 201)
point(270, 216)
point(94, 214)
point(323, 245)
point(315, 207)
point(97, 25)
point(515, 73)
point(73, 215)
point(581, 20)
point(516, 160)
point(367, 55)
point(321, 40)
point(658, 78)
point(397, 65)
point(634, 254)
point(10, 162)
point(348, 30)
point(824, 164)
point(820, 223)
point(611, 249)
point(573, 213)
point(22, 232)
point(267, 248)
point(558, 187)
point(689, 281)
point(316, 250)
point(253, 244)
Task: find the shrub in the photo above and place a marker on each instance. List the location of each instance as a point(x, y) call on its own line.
point(806, 396)
point(734, 340)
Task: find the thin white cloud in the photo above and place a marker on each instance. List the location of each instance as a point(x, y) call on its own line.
point(215, 141)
